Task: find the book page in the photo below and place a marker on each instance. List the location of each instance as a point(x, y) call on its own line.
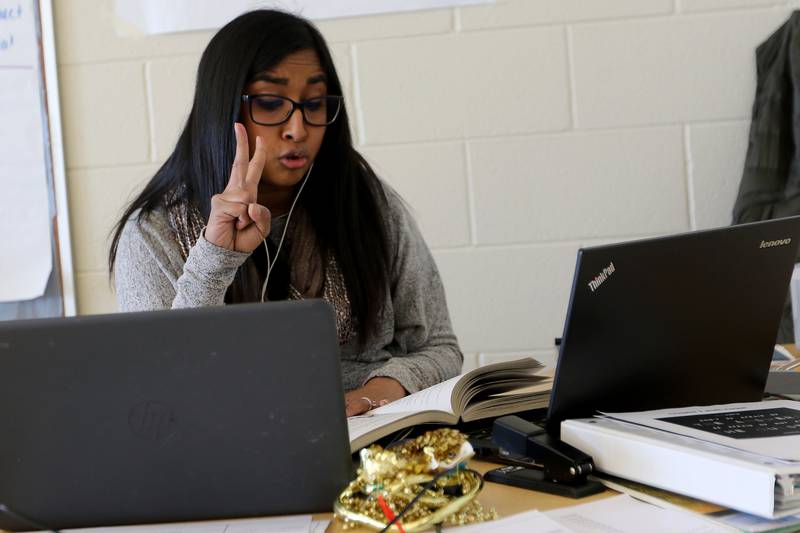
point(436, 398)
point(450, 396)
point(542, 386)
point(358, 426)
point(366, 429)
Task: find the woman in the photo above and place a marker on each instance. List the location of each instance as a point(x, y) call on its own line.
point(265, 198)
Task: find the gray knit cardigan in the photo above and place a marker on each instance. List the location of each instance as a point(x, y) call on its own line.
point(413, 344)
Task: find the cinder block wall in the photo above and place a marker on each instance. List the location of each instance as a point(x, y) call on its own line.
point(518, 132)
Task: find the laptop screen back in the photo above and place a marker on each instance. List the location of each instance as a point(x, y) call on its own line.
point(171, 416)
point(683, 320)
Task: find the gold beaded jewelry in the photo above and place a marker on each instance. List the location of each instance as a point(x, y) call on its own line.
point(429, 470)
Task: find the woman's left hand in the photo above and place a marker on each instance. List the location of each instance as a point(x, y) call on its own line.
point(376, 392)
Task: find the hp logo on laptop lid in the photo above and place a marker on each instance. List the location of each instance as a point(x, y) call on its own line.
point(152, 421)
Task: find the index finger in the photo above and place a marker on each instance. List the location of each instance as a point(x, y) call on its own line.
point(256, 167)
point(241, 159)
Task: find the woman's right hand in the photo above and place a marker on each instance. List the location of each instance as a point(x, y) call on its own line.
point(237, 221)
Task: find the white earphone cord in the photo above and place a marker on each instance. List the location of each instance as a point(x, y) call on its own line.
point(271, 264)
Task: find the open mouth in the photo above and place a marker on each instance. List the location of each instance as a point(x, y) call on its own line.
point(294, 160)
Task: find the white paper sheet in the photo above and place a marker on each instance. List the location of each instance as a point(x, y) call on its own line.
point(623, 514)
point(319, 526)
point(25, 245)
point(757, 524)
point(783, 444)
point(279, 524)
point(157, 16)
point(530, 522)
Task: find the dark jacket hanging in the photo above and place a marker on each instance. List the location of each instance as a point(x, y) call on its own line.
point(770, 186)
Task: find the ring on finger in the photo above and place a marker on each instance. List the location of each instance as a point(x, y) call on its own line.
point(370, 403)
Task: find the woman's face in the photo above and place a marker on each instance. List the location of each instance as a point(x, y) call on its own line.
point(291, 147)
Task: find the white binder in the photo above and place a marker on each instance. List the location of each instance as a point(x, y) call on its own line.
point(745, 481)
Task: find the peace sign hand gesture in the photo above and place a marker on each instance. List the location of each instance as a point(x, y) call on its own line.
point(237, 221)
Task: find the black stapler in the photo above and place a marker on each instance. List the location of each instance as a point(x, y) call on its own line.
point(559, 468)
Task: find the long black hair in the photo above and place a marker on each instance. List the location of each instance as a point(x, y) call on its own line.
point(344, 199)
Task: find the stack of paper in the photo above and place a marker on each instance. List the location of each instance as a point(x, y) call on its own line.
point(717, 514)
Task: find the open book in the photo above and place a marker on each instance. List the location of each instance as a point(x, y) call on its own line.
point(493, 390)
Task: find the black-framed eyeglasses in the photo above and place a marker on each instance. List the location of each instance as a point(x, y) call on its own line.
point(273, 109)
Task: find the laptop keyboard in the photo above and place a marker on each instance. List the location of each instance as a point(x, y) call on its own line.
point(770, 422)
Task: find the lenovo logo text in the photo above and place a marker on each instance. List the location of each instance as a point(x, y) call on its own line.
point(770, 244)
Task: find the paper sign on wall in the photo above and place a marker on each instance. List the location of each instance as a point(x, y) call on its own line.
point(25, 246)
point(157, 16)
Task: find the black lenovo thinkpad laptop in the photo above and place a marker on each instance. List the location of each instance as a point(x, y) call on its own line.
point(172, 416)
point(682, 320)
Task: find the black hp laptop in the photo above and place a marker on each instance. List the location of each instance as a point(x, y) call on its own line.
point(683, 320)
point(171, 416)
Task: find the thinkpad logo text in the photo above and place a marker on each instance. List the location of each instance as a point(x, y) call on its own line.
point(602, 277)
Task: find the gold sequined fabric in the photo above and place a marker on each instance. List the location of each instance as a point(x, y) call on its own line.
point(187, 223)
point(335, 293)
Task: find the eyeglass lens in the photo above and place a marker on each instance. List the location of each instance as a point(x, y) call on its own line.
point(268, 109)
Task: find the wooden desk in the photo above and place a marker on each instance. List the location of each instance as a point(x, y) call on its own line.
point(506, 500)
point(511, 500)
